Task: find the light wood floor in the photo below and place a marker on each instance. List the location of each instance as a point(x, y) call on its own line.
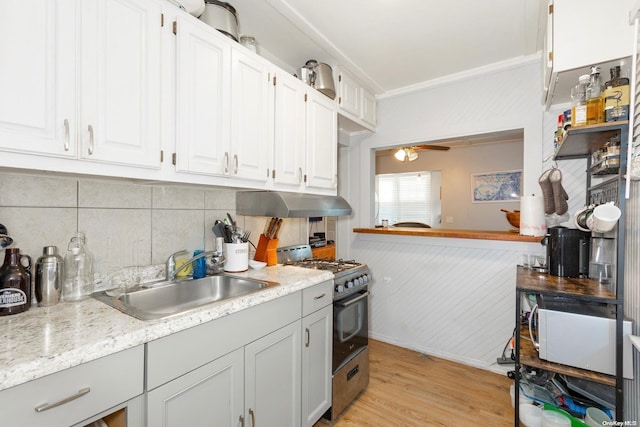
point(408, 389)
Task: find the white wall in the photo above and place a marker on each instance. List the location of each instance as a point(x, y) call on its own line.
point(450, 297)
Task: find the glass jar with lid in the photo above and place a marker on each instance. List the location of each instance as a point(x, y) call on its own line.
point(78, 270)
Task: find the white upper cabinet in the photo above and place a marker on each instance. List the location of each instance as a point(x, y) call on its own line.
point(251, 115)
point(290, 138)
point(120, 67)
point(356, 102)
point(322, 142)
point(102, 104)
point(577, 37)
point(203, 87)
point(37, 77)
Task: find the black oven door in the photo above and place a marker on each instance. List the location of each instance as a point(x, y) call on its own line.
point(350, 327)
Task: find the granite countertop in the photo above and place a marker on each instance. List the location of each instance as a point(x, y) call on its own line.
point(45, 340)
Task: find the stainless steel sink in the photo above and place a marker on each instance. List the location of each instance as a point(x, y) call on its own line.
point(167, 299)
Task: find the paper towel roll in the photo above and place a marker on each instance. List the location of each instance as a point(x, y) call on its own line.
point(532, 216)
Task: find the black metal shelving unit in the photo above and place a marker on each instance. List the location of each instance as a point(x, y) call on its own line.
point(580, 143)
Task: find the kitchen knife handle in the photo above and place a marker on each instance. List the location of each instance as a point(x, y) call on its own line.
point(90, 129)
point(47, 406)
point(253, 417)
point(66, 135)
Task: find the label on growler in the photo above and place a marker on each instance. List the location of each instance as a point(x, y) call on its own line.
point(12, 297)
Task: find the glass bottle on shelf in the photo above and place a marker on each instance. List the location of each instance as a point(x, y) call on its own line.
point(594, 98)
point(78, 270)
point(616, 96)
point(579, 101)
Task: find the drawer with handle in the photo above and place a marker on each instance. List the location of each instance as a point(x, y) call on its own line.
point(75, 394)
point(316, 297)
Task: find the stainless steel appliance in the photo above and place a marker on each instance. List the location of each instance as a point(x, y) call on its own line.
point(350, 322)
point(567, 252)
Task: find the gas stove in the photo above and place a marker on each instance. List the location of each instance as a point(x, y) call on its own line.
point(349, 276)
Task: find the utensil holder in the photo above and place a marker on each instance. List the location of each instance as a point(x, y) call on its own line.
point(237, 257)
point(266, 250)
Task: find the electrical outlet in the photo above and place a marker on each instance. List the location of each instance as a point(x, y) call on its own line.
point(449, 220)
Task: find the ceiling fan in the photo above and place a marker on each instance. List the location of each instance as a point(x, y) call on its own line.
point(410, 153)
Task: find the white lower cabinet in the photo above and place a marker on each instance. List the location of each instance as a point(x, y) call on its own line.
point(250, 368)
point(68, 397)
point(272, 379)
point(211, 395)
point(316, 365)
point(317, 336)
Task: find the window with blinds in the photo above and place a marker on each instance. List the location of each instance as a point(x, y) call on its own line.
point(405, 197)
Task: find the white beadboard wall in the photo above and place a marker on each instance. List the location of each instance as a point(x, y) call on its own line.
point(632, 296)
point(452, 298)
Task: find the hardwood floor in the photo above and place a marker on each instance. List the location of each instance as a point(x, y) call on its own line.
point(407, 388)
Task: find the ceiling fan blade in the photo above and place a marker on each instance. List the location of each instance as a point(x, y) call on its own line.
point(430, 147)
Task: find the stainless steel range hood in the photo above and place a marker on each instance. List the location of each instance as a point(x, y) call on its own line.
point(289, 205)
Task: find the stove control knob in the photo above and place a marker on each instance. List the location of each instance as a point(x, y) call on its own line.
point(349, 284)
point(369, 277)
point(360, 281)
point(339, 288)
point(365, 278)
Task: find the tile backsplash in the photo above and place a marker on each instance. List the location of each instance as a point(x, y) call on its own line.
point(126, 223)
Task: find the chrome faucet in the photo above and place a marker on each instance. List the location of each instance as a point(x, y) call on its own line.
point(171, 271)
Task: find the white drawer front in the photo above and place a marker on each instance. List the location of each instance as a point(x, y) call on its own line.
point(316, 297)
point(88, 389)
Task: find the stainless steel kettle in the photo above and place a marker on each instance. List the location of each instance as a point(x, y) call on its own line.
point(320, 77)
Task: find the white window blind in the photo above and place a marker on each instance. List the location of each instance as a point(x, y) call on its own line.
point(405, 197)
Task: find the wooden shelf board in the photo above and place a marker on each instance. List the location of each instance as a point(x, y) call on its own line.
point(529, 357)
point(587, 289)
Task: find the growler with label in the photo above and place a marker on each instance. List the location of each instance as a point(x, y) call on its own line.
point(15, 283)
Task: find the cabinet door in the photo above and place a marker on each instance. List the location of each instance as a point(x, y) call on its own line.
point(317, 329)
point(203, 98)
point(322, 142)
point(272, 379)
point(349, 96)
point(251, 116)
point(208, 396)
point(368, 107)
point(37, 77)
point(120, 75)
point(289, 144)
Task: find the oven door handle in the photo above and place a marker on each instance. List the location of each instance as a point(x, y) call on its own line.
point(353, 300)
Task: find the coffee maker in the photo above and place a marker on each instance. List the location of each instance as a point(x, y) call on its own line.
point(568, 251)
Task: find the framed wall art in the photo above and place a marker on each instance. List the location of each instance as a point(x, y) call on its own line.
point(489, 187)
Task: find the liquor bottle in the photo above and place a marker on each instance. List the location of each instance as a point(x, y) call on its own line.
point(579, 101)
point(616, 96)
point(595, 108)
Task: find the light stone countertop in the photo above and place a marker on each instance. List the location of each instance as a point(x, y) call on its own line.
point(45, 340)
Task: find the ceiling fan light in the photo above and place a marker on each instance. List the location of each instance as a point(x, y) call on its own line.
point(411, 154)
point(400, 154)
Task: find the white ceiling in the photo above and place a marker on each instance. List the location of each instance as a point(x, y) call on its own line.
point(393, 45)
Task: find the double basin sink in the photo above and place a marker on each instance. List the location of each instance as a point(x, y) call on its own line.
point(165, 299)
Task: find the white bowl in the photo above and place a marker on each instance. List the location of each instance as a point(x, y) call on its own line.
point(257, 265)
point(530, 415)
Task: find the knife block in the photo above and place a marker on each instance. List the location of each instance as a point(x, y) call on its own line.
point(266, 250)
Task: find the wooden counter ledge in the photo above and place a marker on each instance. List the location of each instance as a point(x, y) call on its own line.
point(456, 234)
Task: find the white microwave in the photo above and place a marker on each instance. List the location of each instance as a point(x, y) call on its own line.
point(582, 341)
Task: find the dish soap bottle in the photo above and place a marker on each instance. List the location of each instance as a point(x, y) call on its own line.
point(78, 270)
